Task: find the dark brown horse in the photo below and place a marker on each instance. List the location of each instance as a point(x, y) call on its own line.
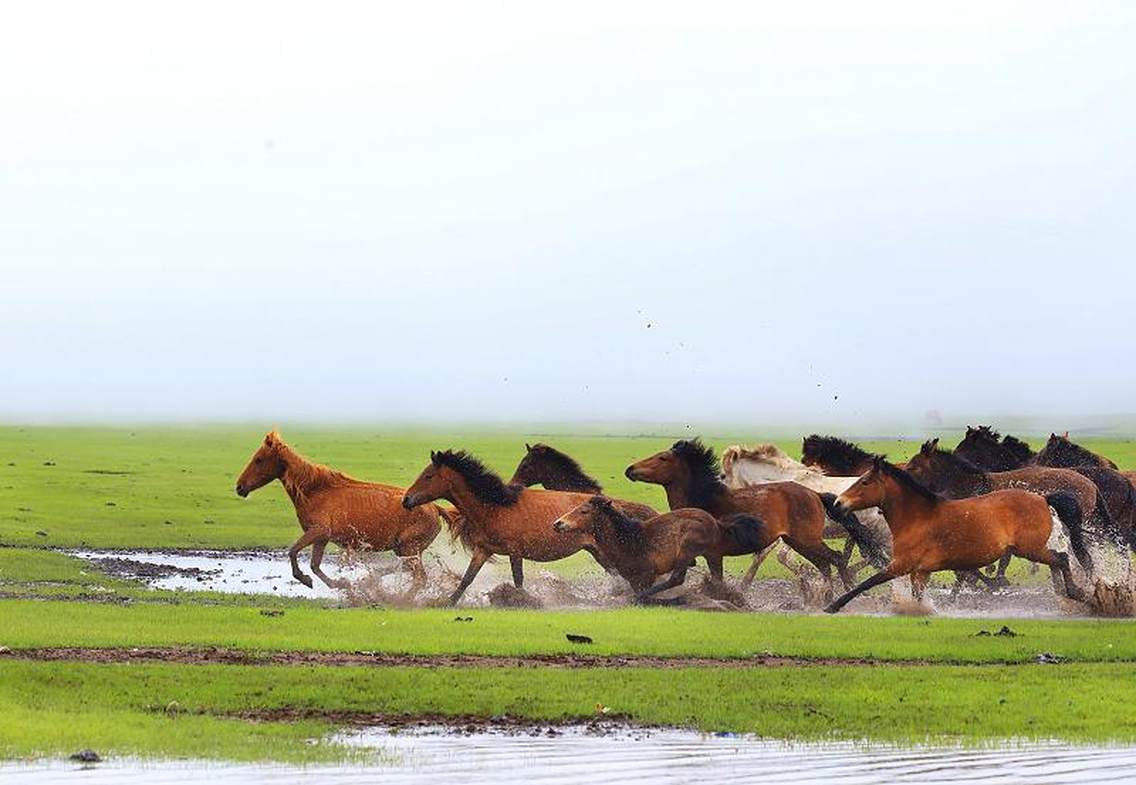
point(985, 448)
point(641, 551)
point(333, 507)
point(835, 457)
point(957, 478)
point(689, 474)
point(931, 533)
point(495, 518)
point(1059, 451)
point(557, 471)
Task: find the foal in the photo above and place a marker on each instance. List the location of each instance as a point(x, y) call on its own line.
point(333, 507)
point(641, 551)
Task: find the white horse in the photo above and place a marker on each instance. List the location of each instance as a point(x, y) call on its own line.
point(742, 466)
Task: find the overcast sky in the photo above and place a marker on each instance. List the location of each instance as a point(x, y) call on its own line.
point(751, 212)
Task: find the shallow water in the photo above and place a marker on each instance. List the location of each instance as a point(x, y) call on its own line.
point(267, 573)
point(653, 757)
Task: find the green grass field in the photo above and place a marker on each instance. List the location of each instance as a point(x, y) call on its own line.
point(173, 488)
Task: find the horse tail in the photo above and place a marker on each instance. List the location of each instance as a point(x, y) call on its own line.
point(458, 525)
point(1069, 512)
point(745, 531)
point(1109, 527)
point(865, 537)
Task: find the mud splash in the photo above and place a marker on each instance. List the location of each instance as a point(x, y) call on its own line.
point(382, 580)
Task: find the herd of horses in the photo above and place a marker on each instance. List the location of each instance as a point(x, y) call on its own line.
point(989, 499)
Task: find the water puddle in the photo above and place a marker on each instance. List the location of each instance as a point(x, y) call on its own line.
point(656, 757)
point(378, 579)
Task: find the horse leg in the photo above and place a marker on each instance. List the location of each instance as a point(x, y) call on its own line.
point(676, 579)
point(875, 580)
point(310, 537)
point(714, 564)
point(417, 574)
point(517, 563)
point(1000, 573)
point(317, 559)
point(1058, 563)
point(783, 557)
point(919, 585)
point(758, 558)
point(824, 559)
point(476, 562)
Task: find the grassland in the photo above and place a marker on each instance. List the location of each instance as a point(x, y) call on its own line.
point(172, 488)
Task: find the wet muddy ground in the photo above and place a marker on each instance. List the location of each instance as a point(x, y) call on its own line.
point(591, 753)
point(377, 579)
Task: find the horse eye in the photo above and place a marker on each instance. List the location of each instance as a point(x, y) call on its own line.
point(259, 460)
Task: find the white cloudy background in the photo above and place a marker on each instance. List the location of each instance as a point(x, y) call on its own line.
point(611, 211)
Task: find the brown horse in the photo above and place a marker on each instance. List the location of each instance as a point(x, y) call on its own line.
point(931, 533)
point(689, 474)
point(1060, 451)
point(495, 518)
point(985, 448)
point(956, 478)
point(333, 507)
point(641, 551)
point(557, 471)
point(835, 457)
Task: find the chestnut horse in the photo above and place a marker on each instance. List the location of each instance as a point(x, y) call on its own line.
point(333, 507)
point(835, 457)
point(495, 518)
point(641, 551)
point(690, 475)
point(557, 471)
point(931, 533)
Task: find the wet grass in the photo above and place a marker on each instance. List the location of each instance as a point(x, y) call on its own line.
point(173, 487)
point(179, 710)
point(640, 631)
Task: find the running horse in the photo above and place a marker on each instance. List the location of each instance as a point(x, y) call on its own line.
point(333, 507)
point(690, 475)
point(931, 533)
point(641, 551)
point(557, 471)
point(495, 518)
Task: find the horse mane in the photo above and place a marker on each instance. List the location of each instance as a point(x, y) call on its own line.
point(1018, 448)
point(761, 453)
point(485, 485)
point(956, 461)
point(837, 453)
point(984, 432)
point(567, 463)
point(627, 531)
point(705, 485)
point(1061, 447)
point(303, 476)
point(905, 479)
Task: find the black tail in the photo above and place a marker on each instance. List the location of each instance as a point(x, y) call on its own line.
point(866, 540)
point(746, 531)
point(1107, 527)
point(1069, 511)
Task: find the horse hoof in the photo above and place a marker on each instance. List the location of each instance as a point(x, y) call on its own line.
point(304, 579)
point(831, 608)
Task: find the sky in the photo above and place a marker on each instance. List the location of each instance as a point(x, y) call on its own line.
point(600, 212)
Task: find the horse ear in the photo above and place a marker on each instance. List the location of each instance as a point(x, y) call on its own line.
point(528, 447)
point(272, 438)
point(935, 443)
point(433, 456)
point(1066, 436)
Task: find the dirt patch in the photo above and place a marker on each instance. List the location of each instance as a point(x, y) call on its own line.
point(202, 656)
point(119, 567)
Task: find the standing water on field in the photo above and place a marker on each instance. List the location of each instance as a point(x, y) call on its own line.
point(579, 754)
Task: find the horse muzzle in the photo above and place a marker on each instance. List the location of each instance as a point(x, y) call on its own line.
point(242, 491)
point(631, 473)
point(560, 526)
point(840, 508)
point(410, 501)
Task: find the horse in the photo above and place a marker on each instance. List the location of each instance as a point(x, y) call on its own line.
point(495, 518)
point(835, 457)
point(1059, 451)
point(333, 507)
point(957, 478)
point(985, 448)
point(690, 475)
point(931, 533)
point(742, 466)
point(557, 471)
point(641, 551)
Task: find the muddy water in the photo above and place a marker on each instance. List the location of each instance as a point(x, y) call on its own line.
point(655, 757)
point(376, 579)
